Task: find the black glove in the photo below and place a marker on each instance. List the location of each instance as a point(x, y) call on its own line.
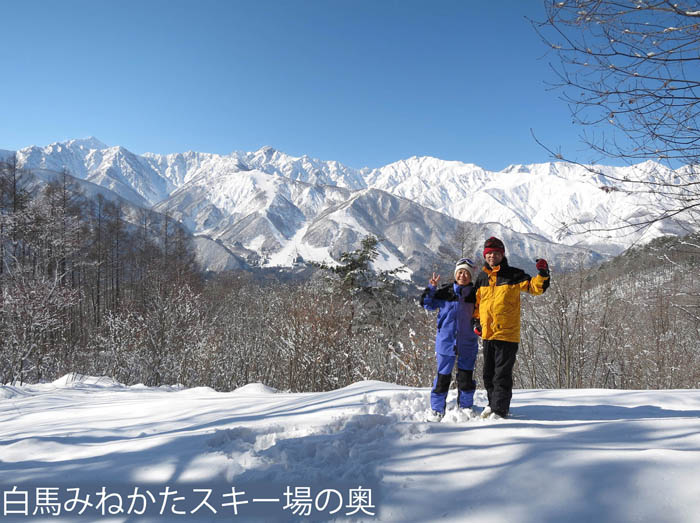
point(542, 267)
point(476, 325)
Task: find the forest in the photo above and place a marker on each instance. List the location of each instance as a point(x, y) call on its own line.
point(90, 287)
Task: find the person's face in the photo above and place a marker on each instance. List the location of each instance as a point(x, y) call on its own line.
point(493, 258)
point(463, 277)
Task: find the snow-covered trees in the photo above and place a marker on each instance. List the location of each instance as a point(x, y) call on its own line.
point(84, 289)
point(33, 295)
point(67, 263)
point(368, 297)
point(632, 323)
point(33, 309)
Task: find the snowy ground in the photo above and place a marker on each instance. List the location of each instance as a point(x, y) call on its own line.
point(566, 455)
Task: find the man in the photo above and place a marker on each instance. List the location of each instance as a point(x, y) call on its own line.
point(497, 320)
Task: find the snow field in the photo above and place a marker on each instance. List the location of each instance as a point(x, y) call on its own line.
point(574, 455)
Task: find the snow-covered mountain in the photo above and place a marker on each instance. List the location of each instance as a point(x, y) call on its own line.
point(537, 198)
point(273, 209)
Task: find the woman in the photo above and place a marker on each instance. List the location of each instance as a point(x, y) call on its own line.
point(455, 340)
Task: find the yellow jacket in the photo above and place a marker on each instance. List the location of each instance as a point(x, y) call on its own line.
point(497, 306)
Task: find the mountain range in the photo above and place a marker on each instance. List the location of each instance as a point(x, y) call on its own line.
point(268, 209)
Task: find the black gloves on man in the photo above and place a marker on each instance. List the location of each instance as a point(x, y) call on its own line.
point(476, 325)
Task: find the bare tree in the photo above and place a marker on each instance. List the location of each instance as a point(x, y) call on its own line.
point(14, 197)
point(629, 71)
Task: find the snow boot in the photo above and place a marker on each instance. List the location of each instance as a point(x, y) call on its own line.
point(467, 413)
point(498, 415)
point(434, 416)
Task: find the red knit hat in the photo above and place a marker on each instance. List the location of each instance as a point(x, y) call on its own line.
point(493, 244)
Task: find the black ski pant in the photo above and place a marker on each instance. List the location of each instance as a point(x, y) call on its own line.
point(499, 359)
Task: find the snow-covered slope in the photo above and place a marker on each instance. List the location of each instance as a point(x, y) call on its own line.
point(280, 209)
point(565, 455)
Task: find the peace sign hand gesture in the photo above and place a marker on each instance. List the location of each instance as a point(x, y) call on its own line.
point(434, 280)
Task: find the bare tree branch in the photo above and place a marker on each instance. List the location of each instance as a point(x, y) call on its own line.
point(628, 72)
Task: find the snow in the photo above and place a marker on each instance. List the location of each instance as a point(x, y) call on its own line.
point(256, 243)
point(294, 248)
point(211, 256)
point(565, 455)
point(386, 261)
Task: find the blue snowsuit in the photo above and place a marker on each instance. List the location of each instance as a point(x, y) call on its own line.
point(455, 341)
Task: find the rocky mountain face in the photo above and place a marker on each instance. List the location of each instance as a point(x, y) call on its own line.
point(268, 209)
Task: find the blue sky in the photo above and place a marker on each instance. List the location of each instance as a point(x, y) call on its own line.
point(364, 82)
